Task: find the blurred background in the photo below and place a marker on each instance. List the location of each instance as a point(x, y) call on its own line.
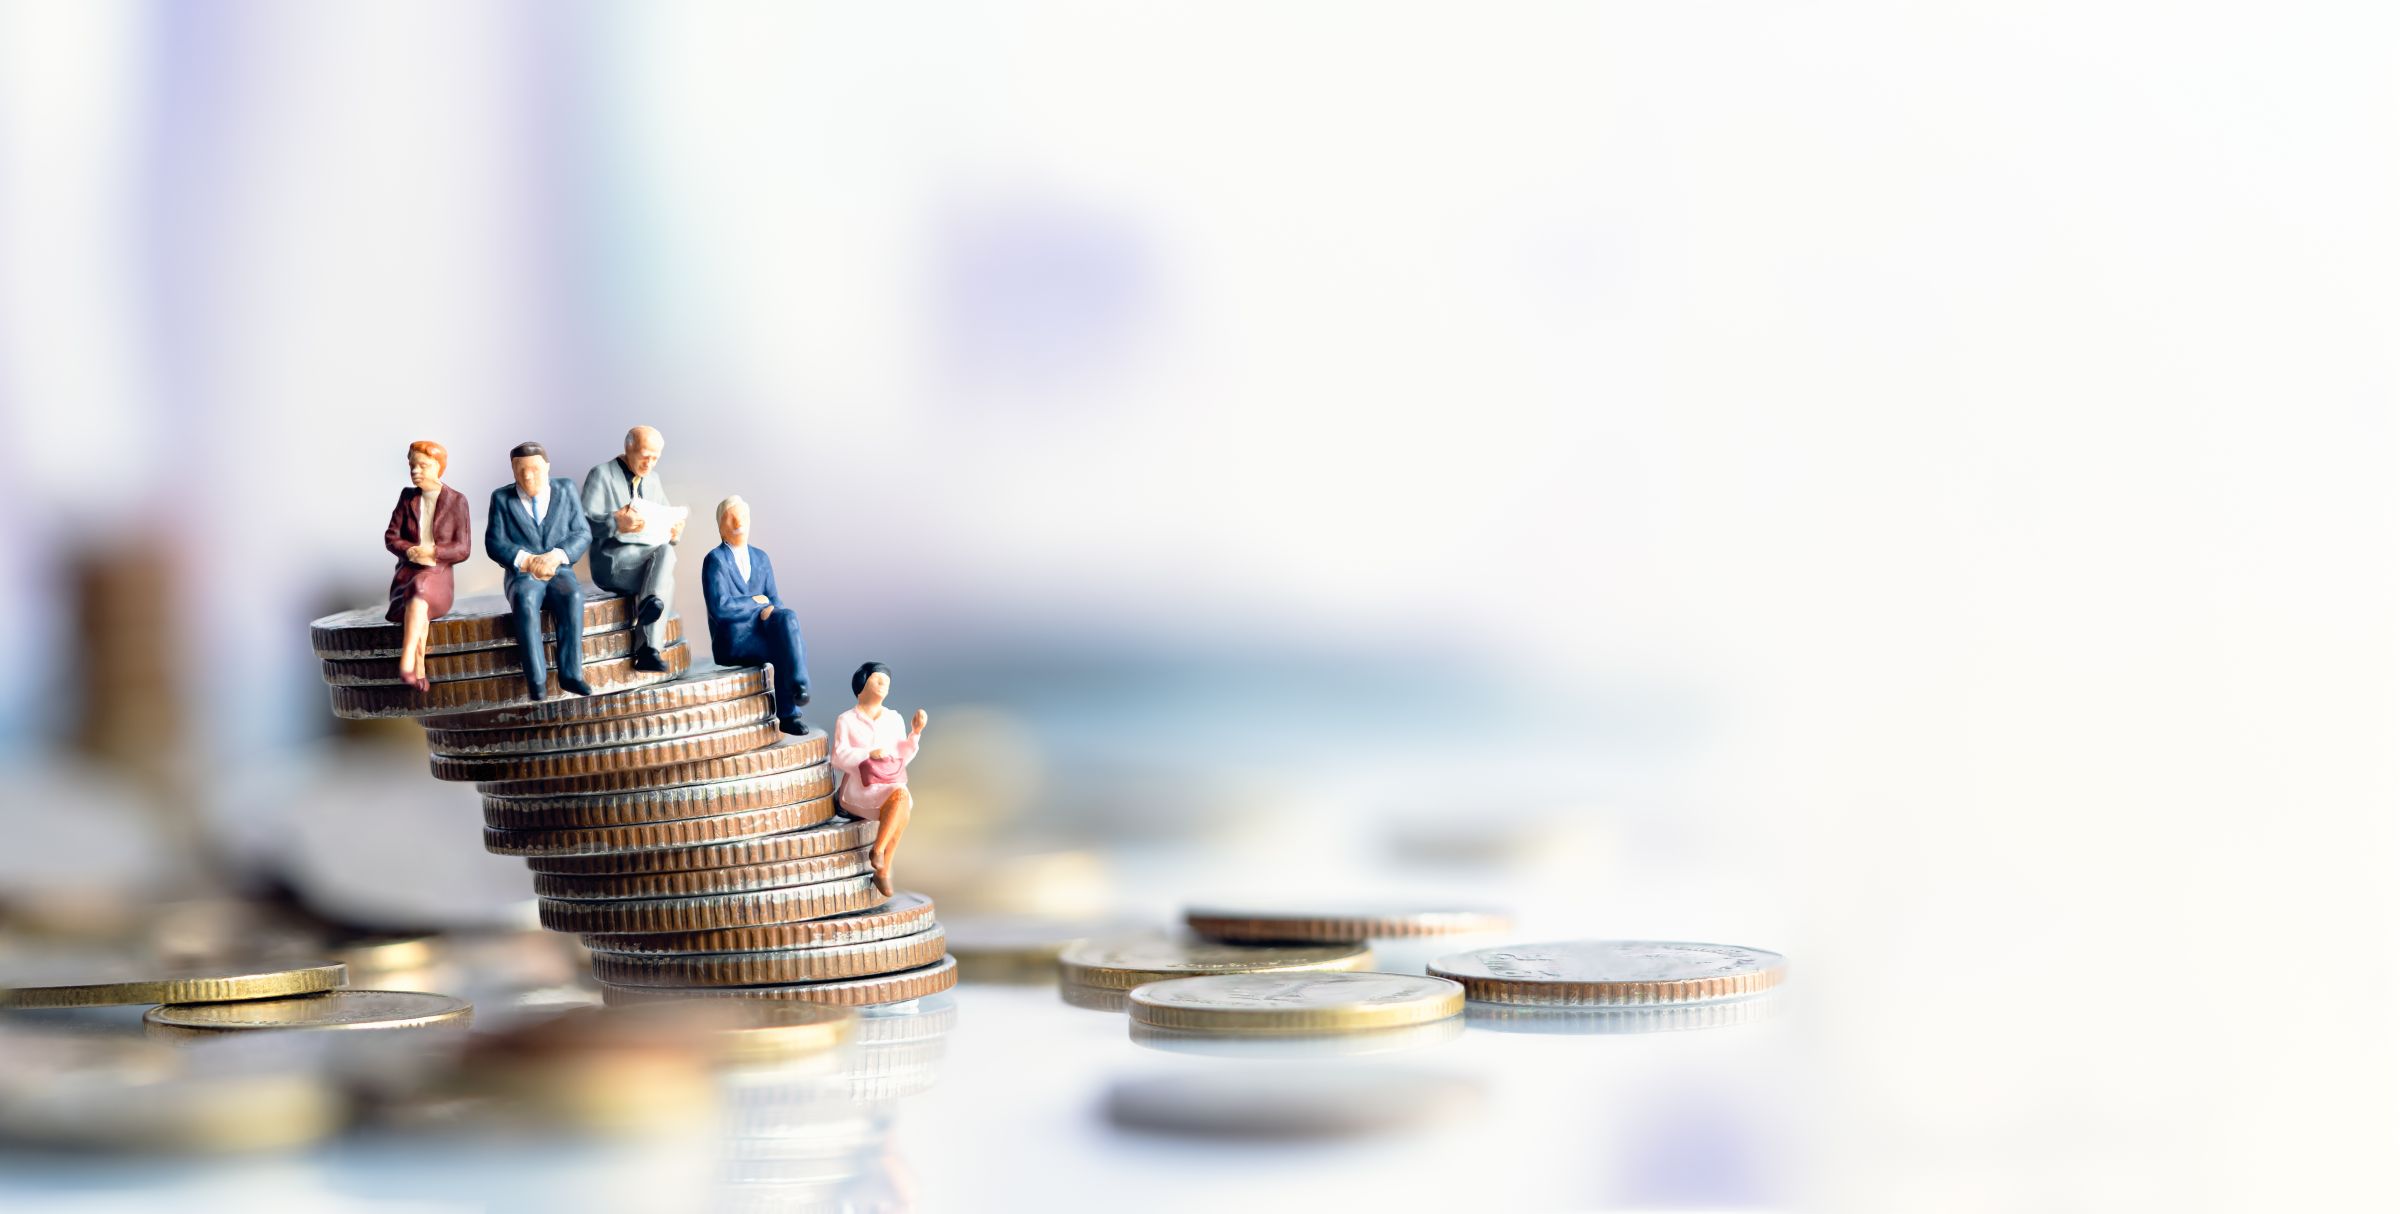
point(1910, 487)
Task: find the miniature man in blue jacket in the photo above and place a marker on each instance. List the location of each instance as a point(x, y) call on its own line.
point(535, 530)
point(748, 624)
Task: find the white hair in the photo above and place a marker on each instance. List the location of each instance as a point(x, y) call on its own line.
point(731, 504)
point(634, 436)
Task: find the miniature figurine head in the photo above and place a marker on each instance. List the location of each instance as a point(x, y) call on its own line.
point(733, 520)
point(531, 466)
point(872, 683)
point(642, 445)
point(427, 460)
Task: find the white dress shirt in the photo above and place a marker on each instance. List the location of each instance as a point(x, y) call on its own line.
point(538, 505)
point(741, 559)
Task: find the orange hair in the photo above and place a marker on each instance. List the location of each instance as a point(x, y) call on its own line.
point(433, 450)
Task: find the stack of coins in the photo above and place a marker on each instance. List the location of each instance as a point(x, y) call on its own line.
point(666, 817)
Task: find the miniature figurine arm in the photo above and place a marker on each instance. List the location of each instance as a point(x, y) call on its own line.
point(496, 544)
point(906, 748)
point(579, 530)
point(598, 511)
point(725, 599)
point(766, 571)
point(453, 541)
point(851, 745)
point(391, 535)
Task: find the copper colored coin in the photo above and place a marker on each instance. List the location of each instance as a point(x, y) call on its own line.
point(592, 735)
point(682, 833)
point(663, 805)
point(906, 913)
point(478, 621)
point(828, 833)
point(608, 758)
point(736, 880)
point(773, 968)
point(851, 992)
point(713, 911)
point(701, 684)
point(499, 691)
point(791, 752)
point(479, 663)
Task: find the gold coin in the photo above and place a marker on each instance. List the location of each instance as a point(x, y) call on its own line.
point(1295, 1002)
point(613, 731)
point(608, 758)
point(1603, 973)
point(661, 805)
point(816, 837)
point(906, 913)
point(499, 691)
point(772, 968)
point(1339, 925)
point(681, 833)
point(695, 882)
point(1092, 998)
point(713, 911)
point(106, 984)
point(1128, 961)
point(701, 684)
point(332, 1010)
point(850, 992)
point(794, 751)
point(478, 621)
point(480, 663)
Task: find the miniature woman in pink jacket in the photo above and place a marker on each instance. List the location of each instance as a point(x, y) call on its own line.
point(873, 754)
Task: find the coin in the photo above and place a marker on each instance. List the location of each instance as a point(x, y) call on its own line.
point(608, 758)
point(694, 882)
point(1092, 998)
point(849, 992)
point(1619, 1021)
point(1339, 925)
point(337, 1010)
point(1295, 1003)
point(480, 663)
point(1129, 961)
point(906, 913)
point(772, 968)
point(478, 621)
point(661, 805)
point(1290, 1102)
point(613, 731)
point(793, 751)
point(498, 691)
point(681, 833)
point(106, 984)
point(1291, 1046)
point(1009, 948)
point(712, 911)
point(1599, 973)
point(701, 684)
point(817, 836)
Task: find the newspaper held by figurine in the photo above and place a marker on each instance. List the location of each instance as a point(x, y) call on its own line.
point(657, 521)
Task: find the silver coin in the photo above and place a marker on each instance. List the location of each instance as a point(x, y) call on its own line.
point(1606, 973)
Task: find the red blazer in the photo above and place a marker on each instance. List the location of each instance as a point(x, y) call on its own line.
point(453, 540)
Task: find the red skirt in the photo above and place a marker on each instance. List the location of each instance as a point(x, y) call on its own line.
point(431, 583)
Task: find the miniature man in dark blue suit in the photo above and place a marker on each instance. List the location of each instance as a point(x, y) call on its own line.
point(747, 621)
point(535, 529)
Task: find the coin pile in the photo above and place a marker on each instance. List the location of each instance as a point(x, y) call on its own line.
point(666, 817)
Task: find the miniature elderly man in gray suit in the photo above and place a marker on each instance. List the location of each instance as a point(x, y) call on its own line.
point(634, 532)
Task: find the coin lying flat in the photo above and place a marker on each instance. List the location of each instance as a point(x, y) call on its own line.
point(906, 913)
point(1020, 948)
point(477, 621)
point(1290, 1102)
point(1599, 973)
point(332, 1010)
point(712, 912)
point(1624, 1019)
point(772, 968)
point(465, 695)
point(849, 992)
point(1295, 1002)
point(1129, 961)
point(1338, 925)
point(793, 751)
point(1288, 1047)
point(695, 882)
point(1093, 998)
point(662, 805)
point(608, 758)
point(592, 735)
point(702, 683)
point(816, 834)
point(481, 663)
point(681, 833)
point(106, 985)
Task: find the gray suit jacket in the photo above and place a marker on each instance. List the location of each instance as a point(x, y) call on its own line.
point(606, 489)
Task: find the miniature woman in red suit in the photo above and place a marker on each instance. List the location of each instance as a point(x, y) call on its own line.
point(429, 533)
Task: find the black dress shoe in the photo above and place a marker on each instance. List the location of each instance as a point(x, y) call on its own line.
point(575, 684)
point(792, 724)
point(648, 610)
point(801, 700)
point(647, 658)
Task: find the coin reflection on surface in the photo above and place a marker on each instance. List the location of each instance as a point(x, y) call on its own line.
point(1313, 1045)
point(1291, 1102)
point(1603, 1021)
point(1093, 998)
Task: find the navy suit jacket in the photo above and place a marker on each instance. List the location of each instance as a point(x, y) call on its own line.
point(732, 613)
point(509, 528)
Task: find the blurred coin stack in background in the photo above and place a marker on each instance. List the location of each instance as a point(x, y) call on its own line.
point(666, 818)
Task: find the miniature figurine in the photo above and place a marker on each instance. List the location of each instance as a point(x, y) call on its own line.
point(534, 532)
point(873, 757)
point(634, 533)
point(429, 532)
point(748, 623)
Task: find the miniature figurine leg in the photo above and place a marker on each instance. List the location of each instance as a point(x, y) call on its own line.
point(525, 597)
point(563, 597)
point(887, 836)
point(790, 659)
point(657, 583)
point(412, 642)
